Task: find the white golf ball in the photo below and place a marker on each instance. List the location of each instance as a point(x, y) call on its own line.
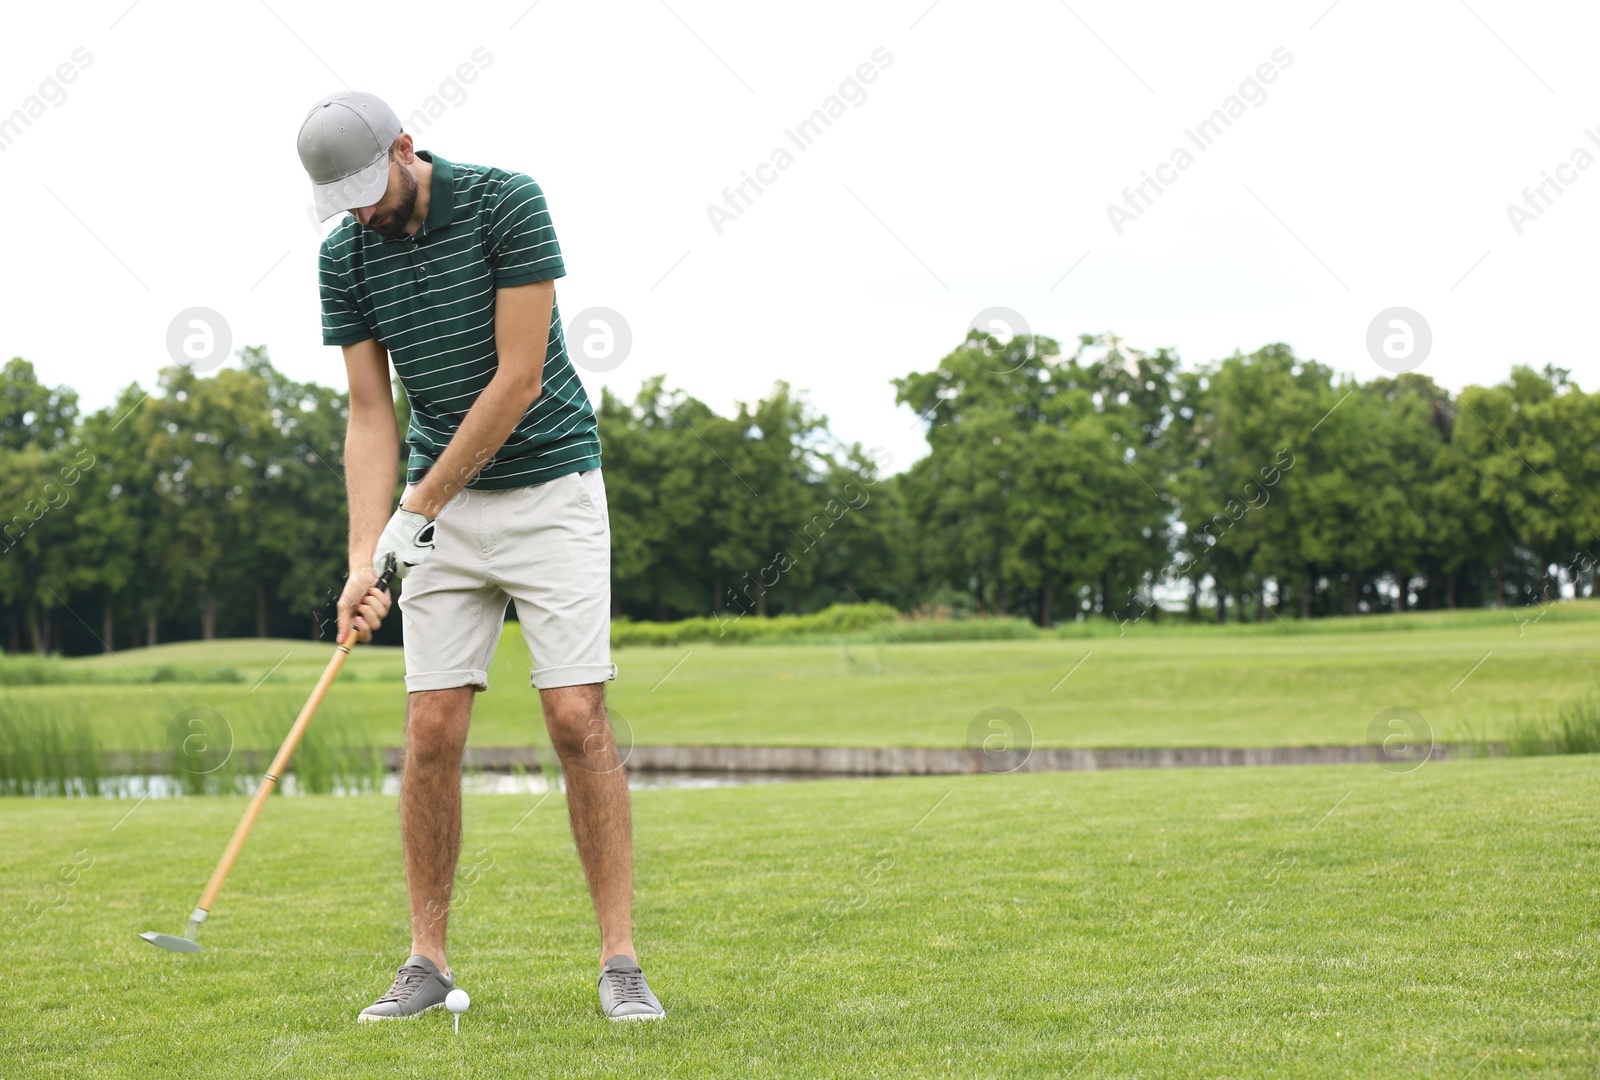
point(457, 1001)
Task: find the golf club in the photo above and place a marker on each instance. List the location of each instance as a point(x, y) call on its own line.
point(187, 942)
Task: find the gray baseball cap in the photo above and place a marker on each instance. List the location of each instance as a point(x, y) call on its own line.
point(344, 145)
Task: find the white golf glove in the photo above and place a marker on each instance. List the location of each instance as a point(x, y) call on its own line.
point(408, 537)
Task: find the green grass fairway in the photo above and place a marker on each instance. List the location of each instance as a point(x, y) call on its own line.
point(1338, 921)
point(1466, 673)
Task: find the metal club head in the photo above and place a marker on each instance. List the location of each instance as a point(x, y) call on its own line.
point(186, 943)
point(167, 941)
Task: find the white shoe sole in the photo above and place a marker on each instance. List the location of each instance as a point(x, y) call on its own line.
point(364, 1018)
point(640, 1016)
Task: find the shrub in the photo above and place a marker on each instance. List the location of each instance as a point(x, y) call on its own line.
point(55, 671)
point(872, 621)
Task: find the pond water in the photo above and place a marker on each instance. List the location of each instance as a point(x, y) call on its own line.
point(166, 786)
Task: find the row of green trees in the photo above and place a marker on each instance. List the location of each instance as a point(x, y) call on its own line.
point(1113, 480)
point(1107, 481)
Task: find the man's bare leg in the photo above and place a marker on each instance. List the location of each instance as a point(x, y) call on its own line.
point(430, 811)
point(597, 803)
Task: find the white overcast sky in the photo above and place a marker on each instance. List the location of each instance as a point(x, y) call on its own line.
point(976, 173)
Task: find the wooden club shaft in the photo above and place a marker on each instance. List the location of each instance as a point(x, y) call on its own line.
point(274, 772)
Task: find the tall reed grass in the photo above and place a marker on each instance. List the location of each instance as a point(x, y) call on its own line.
point(46, 752)
point(1574, 728)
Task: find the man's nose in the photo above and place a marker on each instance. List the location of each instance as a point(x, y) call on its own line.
point(364, 213)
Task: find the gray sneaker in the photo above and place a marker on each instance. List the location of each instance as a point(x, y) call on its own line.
point(418, 987)
point(623, 993)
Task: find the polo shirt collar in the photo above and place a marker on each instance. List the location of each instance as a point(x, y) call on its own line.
point(441, 194)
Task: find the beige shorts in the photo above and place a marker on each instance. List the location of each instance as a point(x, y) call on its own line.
point(546, 548)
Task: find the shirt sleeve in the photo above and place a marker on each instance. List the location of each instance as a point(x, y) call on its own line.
point(520, 240)
point(342, 323)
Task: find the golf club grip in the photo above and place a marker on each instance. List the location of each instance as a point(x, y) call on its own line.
point(281, 761)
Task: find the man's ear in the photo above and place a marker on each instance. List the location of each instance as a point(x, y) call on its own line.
point(405, 149)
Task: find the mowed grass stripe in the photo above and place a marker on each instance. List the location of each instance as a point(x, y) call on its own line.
point(1143, 689)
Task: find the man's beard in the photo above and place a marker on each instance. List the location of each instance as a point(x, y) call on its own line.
point(391, 224)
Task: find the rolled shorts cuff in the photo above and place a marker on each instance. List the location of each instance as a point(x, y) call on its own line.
point(547, 678)
point(447, 680)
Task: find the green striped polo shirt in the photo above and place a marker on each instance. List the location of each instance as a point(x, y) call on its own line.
point(429, 299)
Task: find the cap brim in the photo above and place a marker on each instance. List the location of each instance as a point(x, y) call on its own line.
point(362, 188)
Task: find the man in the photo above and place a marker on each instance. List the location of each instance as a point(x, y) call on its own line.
point(449, 270)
